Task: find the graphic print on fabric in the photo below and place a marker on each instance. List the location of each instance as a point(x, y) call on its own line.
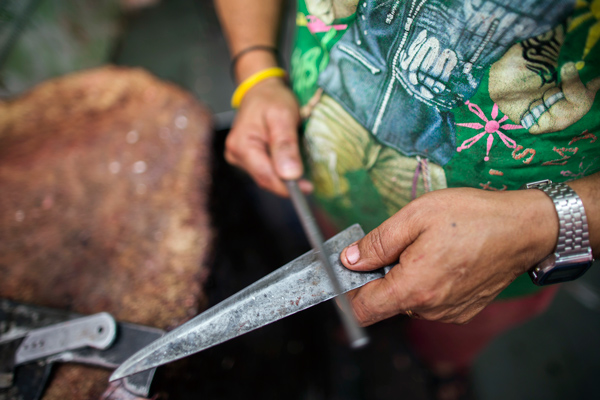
point(548, 85)
point(423, 58)
point(492, 126)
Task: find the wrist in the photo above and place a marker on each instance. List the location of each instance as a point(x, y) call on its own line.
point(536, 225)
point(544, 225)
point(268, 74)
point(252, 63)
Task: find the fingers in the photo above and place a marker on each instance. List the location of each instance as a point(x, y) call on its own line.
point(388, 297)
point(246, 148)
point(263, 141)
point(282, 126)
point(378, 299)
point(383, 245)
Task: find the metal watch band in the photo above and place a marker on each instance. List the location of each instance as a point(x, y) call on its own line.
point(573, 254)
point(573, 233)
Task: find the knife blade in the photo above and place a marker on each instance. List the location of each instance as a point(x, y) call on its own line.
point(296, 286)
point(356, 335)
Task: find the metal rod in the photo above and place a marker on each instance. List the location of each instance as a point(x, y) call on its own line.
point(356, 335)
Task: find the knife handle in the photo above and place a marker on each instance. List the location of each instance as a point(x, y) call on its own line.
point(98, 331)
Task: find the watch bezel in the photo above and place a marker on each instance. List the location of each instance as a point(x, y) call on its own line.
point(544, 273)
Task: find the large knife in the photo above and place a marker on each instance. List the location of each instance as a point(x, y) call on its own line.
point(298, 285)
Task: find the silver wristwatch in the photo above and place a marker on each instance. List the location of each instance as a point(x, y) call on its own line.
point(573, 254)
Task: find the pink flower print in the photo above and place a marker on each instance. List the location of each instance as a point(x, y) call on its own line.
point(315, 25)
point(490, 128)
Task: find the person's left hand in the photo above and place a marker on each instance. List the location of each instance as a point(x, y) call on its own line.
point(455, 249)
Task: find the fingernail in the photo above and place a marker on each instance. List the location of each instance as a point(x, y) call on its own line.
point(352, 254)
point(289, 169)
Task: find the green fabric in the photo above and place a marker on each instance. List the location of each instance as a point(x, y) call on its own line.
point(368, 213)
point(502, 140)
point(561, 156)
point(358, 178)
point(311, 53)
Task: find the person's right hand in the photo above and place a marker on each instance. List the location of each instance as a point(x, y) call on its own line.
point(264, 140)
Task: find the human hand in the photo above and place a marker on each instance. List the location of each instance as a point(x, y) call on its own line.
point(264, 141)
point(456, 250)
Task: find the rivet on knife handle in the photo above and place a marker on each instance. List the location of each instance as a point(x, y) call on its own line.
point(356, 335)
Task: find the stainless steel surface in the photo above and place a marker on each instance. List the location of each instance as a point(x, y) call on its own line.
point(573, 236)
point(97, 331)
point(573, 244)
point(356, 335)
point(296, 286)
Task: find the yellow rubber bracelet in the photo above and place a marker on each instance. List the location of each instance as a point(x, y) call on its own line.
point(252, 80)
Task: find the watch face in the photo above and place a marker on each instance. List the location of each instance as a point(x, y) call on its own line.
point(564, 273)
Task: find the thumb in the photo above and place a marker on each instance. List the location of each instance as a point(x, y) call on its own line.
point(382, 246)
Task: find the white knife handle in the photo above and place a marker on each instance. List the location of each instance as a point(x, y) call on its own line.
point(98, 331)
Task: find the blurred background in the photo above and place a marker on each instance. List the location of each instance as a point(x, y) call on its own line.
point(555, 356)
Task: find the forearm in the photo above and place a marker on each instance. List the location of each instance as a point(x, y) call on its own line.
point(250, 23)
point(588, 189)
point(263, 140)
